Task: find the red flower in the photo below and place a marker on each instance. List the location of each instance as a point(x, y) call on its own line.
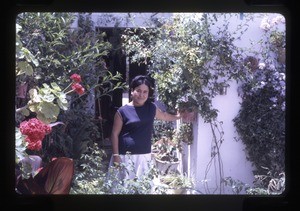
point(35, 131)
point(76, 78)
point(78, 88)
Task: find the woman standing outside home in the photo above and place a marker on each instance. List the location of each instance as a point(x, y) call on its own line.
point(133, 126)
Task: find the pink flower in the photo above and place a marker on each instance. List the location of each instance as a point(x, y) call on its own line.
point(35, 131)
point(76, 78)
point(78, 88)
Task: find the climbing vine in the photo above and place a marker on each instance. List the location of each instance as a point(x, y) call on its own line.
point(261, 119)
point(191, 64)
point(192, 58)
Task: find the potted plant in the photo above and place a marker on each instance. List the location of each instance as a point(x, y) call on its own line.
point(167, 144)
point(185, 133)
point(176, 183)
point(165, 153)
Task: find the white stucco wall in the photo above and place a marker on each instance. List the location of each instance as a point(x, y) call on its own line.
point(232, 161)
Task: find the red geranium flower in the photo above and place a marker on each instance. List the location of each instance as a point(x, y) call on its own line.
point(35, 131)
point(76, 78)
point(78, 88)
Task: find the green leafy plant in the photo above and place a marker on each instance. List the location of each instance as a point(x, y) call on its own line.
point(263, 185)
point(47, 101)
point(185, 133)
point(188, 62)
point(260, 122)
point(48, 52)
point(162, 129)
point(92, 176)
point(165, 149)
point(176, 181)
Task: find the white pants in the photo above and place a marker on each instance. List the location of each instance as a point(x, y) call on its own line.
point(136, 165)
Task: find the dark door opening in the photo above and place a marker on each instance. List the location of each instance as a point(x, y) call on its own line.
point(106, 107)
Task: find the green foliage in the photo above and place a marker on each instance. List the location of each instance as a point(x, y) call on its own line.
point(166, 149)
point(185, 133)
point(48, 51)
point(78, 132)
point(20, 146)
point(191, 63)
point(93, 177)
point(141, 185)
point(273, 183)
point(89, 177)
point(177, 181)
point(24, 58)
point(260, 122)
point(47, 101)
point(264, 185)
point(187, 60)
point(262, 130)
point(162, 129)
point(45, 35)
point(61, 50)
point(237, 186)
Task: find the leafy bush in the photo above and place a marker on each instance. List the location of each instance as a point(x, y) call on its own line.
point(260, 122)
point(92, 176)
point(187, 60)
point(48, 52)
point(162, 129)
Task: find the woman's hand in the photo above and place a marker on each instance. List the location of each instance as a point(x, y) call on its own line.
point(188, 116)
point(116, 160)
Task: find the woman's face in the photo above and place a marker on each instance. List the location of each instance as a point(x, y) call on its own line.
point(140, 95)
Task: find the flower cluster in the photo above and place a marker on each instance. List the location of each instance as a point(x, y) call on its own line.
point(267, 23)
point(275, 30)
point(76, 86)
point(35, 131)
point(76, 78)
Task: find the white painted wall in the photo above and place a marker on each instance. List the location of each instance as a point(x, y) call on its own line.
point(232, 154)
point(232, 160)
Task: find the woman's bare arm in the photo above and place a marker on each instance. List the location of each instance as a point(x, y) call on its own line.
point(166, 116)
point(117, 126)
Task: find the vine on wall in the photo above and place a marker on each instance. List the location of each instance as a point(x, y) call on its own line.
point(191, 64)
point(261, 119)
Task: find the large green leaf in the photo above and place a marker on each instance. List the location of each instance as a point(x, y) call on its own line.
point(25, 68)
point(49, 110)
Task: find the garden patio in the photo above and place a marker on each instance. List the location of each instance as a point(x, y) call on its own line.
point(227, 70)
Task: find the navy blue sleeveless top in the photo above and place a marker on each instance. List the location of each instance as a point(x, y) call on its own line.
point(136, 133)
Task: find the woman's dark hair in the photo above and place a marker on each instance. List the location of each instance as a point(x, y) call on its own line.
point(143, 79)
